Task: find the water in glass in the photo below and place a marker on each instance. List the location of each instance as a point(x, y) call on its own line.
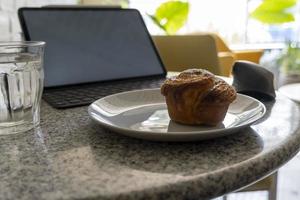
point(21, 86)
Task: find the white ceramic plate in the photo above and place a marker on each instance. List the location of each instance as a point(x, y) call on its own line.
point(143, 114)
point(291, 91)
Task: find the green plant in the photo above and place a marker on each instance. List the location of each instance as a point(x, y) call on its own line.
point(170, 16)
point(277, 12)
point(289, 59)
point(274, 11)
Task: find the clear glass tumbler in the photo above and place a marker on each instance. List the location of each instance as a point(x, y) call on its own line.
point(21, 85)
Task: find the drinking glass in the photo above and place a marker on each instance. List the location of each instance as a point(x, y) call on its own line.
point(21, 85)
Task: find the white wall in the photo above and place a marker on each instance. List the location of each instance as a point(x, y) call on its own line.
point(9, 23)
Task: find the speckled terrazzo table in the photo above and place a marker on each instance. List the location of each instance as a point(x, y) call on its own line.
point(71, 157)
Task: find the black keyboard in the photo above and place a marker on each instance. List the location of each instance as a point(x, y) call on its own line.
point(86, 94)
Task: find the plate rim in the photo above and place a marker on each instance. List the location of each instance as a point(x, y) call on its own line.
point(122, 129)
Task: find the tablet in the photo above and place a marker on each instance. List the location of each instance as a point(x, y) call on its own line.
point(85, 45)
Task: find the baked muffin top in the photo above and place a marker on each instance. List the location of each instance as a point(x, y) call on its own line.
point(215, 89)
point(221, 92)
point(199, 78)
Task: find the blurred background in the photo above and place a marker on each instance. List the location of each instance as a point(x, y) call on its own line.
point(230, 19)
point(271, 26)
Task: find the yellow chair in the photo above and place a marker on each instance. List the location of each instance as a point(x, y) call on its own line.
point(180, 52)
point(202, 50)
point(227, 57)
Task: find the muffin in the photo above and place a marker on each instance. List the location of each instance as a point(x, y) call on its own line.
point(197, 97)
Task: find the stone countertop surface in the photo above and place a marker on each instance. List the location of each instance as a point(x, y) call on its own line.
point(71, 157)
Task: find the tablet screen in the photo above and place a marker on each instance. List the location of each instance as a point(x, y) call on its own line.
point(90, 45)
